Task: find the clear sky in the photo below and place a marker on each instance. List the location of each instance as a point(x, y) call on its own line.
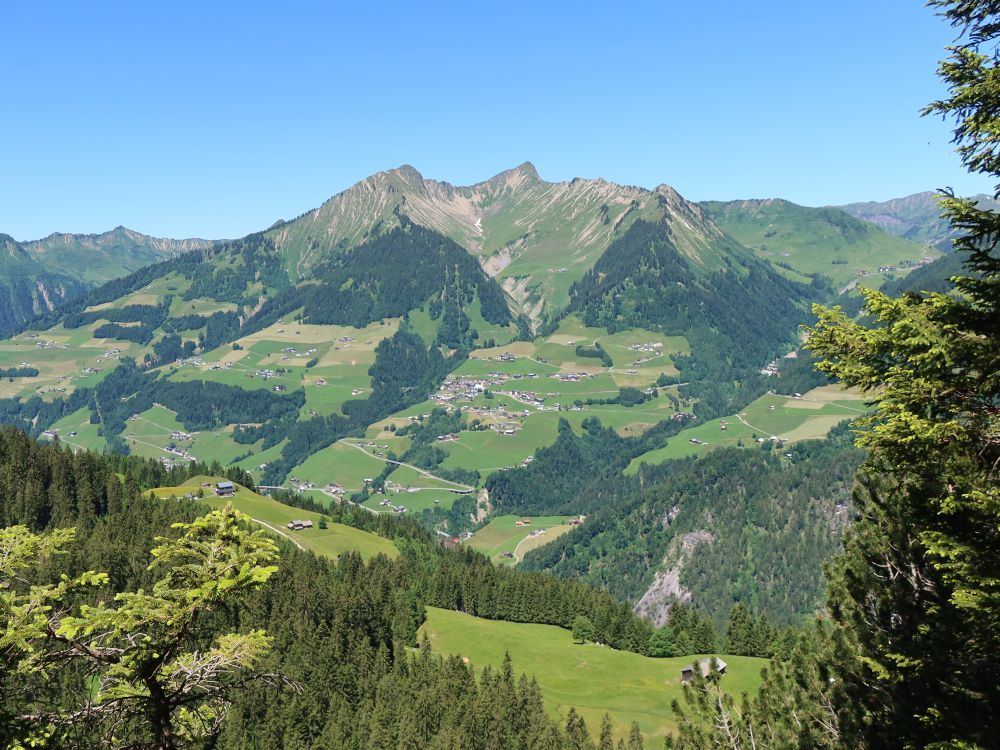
point(215, 119)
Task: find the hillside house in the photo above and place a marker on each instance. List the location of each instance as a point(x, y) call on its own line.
point(298, 525)
point(225, 489)
point(705, 666)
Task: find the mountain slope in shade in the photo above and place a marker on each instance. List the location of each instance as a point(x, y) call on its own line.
point(535, 237)
point(27, 287)
point(916, 217)
point(38, 275)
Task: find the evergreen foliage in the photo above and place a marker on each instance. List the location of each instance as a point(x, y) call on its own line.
point(756, 526)
point(337, 630)
point(735, 319)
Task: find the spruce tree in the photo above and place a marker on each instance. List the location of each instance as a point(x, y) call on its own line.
point(918, 587)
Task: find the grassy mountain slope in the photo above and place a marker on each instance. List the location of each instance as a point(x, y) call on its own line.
point(916, 217)
point(330, 542)
point(535, 237)
point(814, 240)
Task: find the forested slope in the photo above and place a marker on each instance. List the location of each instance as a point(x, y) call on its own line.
point(750, 526)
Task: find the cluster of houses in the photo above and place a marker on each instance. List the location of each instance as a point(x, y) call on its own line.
point(525, 397)
point(298, 525)
point(301, 485)
point(395, 487)
point(386, 502)
point(651, 348)
point(181, 453)
point(903, 265)
point(109, 354)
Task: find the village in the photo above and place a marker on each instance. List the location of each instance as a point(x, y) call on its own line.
point(904, 265)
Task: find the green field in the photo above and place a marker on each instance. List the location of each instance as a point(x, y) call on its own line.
point(593, 679)
point(502, 534)
point(810, 416)
point(329, 542)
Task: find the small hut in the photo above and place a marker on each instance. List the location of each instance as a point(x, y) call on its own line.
point(705, 666)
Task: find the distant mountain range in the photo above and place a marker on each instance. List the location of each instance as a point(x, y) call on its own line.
point(536, 238)
point(38, 275)
point(916, 217)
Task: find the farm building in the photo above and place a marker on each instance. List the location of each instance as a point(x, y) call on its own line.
point(705, 665)
point(297, 525)
point(224, 489)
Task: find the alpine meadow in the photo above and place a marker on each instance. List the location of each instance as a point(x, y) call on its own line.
point(518, 463)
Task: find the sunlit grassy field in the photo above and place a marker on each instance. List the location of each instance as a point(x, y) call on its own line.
point(593, 679)
point(329, 542)
point(502, 534)
point(792, 419)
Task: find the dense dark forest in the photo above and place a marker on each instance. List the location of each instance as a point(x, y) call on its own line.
point(365, 284)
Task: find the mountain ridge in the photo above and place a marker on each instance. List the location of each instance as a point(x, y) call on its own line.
point(513, 222)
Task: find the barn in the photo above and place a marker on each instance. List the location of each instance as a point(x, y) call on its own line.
point(705, 666)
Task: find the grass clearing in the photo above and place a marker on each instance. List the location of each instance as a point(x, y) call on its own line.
point(502, 534)
point(329, 542)
point(807, 417)
point(593, 679)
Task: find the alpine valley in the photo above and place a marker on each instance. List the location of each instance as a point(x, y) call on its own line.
point(598, 387)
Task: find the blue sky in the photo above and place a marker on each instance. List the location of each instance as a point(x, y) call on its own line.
point(216, 119)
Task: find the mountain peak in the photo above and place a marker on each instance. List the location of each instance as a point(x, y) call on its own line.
point(407, 173)
point(527, 169)
point(522, 175)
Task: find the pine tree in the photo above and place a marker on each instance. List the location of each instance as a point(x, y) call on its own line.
point(607, 741)
point(918, 588)
point(740, 632)
point(583, 629)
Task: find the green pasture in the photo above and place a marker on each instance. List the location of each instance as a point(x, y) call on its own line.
point(791, 419)
point(502, 534)
point(329, 542)
point(595, 680)
point(343, 463)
